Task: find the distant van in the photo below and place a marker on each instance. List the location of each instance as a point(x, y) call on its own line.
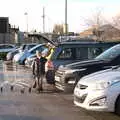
point(73, 51)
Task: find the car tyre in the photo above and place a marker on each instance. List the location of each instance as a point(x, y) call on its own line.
point(117, 106)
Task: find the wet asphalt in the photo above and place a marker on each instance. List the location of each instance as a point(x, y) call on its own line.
point(20, 103)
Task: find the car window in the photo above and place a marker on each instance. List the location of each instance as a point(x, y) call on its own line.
point(30, 46)
point(22, 47)
point(93, 52)
point(66, 53)
point(8, 46)
point(111, 53)
point(40, 48)
point(82, 53)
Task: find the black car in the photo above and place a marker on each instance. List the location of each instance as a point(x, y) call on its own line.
point(68, 75)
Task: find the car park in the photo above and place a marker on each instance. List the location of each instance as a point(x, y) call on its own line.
point(99, 91)
point(22, 48)
point(21, 57)
point(4, 49)
point(67, 76)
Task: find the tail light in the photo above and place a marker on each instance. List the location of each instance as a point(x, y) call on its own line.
point(49, 65)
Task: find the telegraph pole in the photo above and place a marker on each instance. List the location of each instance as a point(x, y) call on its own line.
point(43, 20)
point(26, 14)
point(66, 27)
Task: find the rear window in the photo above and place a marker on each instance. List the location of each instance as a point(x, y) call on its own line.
point(66, 53)
point(81, 53)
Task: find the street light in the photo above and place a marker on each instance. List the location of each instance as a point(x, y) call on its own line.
point(66, 30)
point(26, 14)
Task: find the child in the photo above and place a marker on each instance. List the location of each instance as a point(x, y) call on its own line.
point(39, 70)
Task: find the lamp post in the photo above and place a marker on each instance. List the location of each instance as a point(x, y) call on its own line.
point(66, 30)
point(26, 14)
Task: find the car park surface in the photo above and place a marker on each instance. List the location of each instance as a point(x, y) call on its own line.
point(47, 105)
point(67, 76)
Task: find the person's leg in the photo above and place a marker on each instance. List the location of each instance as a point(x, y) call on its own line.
point(41, 82)
point(35, 83)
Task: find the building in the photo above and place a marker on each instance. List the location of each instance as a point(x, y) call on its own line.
point(4, 30)
point(103, 33)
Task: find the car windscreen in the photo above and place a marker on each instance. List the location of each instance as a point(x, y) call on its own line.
point(109, 54)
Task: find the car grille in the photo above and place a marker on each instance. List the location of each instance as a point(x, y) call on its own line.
point(80, 99)
point(59, 73)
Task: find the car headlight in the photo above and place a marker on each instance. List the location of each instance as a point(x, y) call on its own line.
point(104, 85)
point(101, 85)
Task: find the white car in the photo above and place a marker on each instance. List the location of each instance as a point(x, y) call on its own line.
point(99, 91)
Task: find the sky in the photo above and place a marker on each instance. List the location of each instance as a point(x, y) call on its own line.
point(78, 11)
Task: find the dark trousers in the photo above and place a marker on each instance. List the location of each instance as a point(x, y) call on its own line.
point(39, 82)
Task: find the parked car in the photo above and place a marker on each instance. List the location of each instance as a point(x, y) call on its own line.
point(4, 49)
point(67, 76)
point(99, 91)
point(22, 48)
point(22, 56)
point(29, 60)
point(76, 50)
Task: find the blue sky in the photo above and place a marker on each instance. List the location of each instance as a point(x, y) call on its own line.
point(54, 11)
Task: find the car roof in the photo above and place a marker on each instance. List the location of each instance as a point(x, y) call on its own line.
point(87, 43)
point(30, 44)
point(35, 47)
point(8, 44)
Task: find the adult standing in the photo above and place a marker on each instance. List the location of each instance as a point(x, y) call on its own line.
point(39, 70)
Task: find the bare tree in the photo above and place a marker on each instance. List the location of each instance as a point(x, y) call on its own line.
point(96, 21)
point(58, 29)
point(116, 21)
